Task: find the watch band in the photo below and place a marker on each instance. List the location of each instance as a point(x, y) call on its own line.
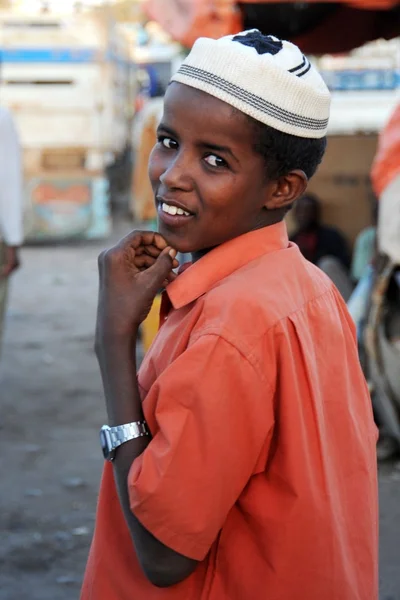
point(113, 437)
point(124, 433)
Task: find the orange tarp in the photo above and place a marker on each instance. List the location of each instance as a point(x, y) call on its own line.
point(387, 161)
point(186, 20)
point(367, 4)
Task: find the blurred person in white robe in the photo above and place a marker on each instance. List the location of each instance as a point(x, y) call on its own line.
point(11, 206)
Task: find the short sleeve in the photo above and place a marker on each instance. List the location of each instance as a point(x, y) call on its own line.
point(214, 417)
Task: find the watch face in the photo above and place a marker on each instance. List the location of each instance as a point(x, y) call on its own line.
point(106, 445)
point(104, 438)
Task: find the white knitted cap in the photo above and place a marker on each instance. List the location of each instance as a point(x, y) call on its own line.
point(263, 77)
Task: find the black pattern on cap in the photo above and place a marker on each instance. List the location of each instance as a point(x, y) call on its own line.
point(264, 44)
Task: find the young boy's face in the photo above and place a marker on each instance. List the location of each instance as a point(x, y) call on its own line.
point(208, 182)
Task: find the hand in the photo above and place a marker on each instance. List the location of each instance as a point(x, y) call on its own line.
point(131, 273)
point(12, 261)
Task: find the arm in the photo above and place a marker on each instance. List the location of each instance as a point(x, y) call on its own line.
point(11, 209)
point(115, 348)
point(212, 422)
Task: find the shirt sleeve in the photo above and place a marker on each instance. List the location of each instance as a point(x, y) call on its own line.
point(213, 421)
point(11, 217)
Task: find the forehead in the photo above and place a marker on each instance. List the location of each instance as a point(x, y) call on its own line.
point(198, 113)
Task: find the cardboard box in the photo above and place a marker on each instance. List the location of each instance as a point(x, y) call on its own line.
point(343, 184)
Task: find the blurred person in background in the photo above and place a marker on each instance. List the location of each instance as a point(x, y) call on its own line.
point(11, 211)
point(364, 247)
point(322, 245)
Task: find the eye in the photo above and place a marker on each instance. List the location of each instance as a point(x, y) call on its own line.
point(215, 161)
point(167, 142)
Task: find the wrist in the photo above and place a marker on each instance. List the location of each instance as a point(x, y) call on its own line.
point(112, 343)
point(117, 338)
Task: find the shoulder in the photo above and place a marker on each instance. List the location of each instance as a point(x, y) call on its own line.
point(247, 305)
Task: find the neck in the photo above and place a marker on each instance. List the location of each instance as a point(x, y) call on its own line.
point(200, 253)
point(273, 217)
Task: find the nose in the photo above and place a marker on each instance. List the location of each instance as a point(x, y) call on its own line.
point(177, 173)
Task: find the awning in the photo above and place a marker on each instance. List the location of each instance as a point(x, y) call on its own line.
point(317, 27)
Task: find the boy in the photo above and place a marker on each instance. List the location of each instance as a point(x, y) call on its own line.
point(243, 456)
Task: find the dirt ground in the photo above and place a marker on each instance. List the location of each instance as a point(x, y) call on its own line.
point(51, 410)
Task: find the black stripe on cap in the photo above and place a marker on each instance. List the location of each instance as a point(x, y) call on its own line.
point(303, 64)
point(252, 100)
point(306, 63)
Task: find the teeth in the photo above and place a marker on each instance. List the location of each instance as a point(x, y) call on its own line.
point(174, 210)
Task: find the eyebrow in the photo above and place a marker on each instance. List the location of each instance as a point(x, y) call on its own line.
point(167, 129)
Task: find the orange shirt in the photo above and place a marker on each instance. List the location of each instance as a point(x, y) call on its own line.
point(262, 463)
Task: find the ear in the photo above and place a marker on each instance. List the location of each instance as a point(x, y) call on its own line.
point(286, 190)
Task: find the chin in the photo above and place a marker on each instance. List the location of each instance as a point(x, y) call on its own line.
point(180, 243)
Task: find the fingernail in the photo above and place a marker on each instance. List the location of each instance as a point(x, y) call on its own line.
point(172, 253)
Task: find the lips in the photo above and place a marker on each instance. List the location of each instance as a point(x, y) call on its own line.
point(171, 202)
point(173, 210)
point(173, 214)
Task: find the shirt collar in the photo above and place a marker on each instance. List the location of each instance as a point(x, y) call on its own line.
point(223, 260)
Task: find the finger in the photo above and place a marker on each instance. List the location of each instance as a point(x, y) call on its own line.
point(144, 261)
point(135, 239)
point(152, 250)
point(160, 242)
point(150, 238)
point(161, 269)
point(171, 277)
point(140, 241)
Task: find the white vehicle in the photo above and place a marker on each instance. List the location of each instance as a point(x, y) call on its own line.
point(67, 81)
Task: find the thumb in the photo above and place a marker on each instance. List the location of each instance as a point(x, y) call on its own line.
point(159, 272)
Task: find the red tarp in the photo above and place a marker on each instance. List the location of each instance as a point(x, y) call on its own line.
point(352, 24)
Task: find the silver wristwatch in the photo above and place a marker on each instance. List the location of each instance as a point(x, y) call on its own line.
point(112, 437)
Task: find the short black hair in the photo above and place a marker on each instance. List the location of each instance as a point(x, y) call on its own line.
point(284, 152)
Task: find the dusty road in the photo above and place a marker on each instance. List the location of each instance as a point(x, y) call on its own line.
point(51, 409)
